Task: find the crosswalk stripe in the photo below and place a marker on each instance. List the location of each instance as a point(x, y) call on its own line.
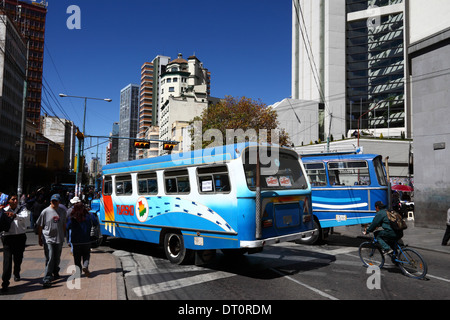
point(180, 283)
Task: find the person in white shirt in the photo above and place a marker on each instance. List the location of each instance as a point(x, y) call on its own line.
point(13, 239)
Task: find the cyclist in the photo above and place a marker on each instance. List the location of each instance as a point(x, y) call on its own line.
point(387, 234)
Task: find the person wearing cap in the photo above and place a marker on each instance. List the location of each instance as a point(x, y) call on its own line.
point(51, 230)
point(387, 234)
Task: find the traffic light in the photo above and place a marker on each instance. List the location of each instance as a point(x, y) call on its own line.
point(169, 146)
point(142, 145)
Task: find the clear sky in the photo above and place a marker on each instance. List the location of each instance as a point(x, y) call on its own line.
point(245, 44)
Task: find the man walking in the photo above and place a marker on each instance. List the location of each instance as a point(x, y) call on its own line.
point(14, 239)
point(52, 229)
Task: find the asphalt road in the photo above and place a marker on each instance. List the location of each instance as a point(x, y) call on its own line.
point(287, 271)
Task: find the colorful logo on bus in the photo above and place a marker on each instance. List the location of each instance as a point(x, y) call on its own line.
point(142, 209)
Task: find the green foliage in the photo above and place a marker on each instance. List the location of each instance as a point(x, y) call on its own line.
point(242, 115)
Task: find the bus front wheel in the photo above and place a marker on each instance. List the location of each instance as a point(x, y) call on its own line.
point(174, 248)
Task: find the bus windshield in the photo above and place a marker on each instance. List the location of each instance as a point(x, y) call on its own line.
point(288, 176)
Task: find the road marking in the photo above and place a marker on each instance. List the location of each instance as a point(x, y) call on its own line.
point(437, 278)
point(179, 283)
point(160, 270)
point(320, 292)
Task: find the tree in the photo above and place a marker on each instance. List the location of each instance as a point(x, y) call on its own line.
point(233, 119)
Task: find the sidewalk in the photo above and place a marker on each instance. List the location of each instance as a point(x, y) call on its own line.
point(415, 237)
point(101, 285)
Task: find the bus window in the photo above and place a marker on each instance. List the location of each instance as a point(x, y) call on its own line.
point(289, 175)
point(147, 183)
point(177, 182)
point(351, 173)
point(379, 171)
point(213, 179)
point(316, 173)
point(124, 186)
point(107, 186)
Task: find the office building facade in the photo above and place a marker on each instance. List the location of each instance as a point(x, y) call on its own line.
point(349, 55)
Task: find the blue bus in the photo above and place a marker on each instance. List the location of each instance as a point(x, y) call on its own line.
point(345, 188)
point(205, 200)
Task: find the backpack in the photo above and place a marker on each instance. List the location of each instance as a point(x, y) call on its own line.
point(396, 221)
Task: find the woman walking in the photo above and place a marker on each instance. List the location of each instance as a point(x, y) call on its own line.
point(79, 225)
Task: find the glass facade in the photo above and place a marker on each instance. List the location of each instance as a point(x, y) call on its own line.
point(359, 5)
point(375, 68)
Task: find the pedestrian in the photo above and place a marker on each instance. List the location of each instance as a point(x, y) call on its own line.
point(447, 232)
point(14, 238)
point(51, 230)
point(79, 224)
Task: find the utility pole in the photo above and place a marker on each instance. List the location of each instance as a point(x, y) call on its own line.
point(23, 128)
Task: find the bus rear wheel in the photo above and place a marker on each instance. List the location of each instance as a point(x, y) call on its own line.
point(314, 238)
point(174, 248)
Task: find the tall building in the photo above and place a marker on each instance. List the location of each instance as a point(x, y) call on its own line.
point(30, 16)
point(12, 77)
point(149, 97)
point(376, 68)
point(112, 150)
point(349, 55)
point(184, 94)
point(184, 82)
point(129, 119)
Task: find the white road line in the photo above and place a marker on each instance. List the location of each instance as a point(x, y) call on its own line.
point(179, 283)
point(152, 271)
point(437, 278)
point(320, 292)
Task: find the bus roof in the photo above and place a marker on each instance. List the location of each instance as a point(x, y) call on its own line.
point(220, 154)
point(331, 157)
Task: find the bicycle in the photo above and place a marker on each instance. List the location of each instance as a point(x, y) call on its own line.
point(410, 262)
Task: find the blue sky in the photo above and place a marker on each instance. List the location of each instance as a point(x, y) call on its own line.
point(245, 44)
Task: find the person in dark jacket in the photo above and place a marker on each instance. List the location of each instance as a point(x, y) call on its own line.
point(79, 225)
point(387, 234)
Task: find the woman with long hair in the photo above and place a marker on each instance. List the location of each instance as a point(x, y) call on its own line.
point(79, 225)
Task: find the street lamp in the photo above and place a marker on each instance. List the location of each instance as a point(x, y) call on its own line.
point(81, 141)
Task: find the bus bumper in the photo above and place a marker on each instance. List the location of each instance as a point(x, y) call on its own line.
point(274, 240)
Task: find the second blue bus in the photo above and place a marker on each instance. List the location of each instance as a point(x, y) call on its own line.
point(345, 188)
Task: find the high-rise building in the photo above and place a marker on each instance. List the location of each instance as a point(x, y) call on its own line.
point(349, 55)
point(129, 119)
point(12, 76)
point(29, 17)
point(184, 94)
point(185, 83)
point(149, 94)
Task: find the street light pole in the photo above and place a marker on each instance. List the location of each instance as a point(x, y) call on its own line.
point(79, 171)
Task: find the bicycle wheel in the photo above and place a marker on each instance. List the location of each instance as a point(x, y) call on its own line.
point(371, 255)
point(412, 264)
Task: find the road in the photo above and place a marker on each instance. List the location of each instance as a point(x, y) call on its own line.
point(286, 271)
